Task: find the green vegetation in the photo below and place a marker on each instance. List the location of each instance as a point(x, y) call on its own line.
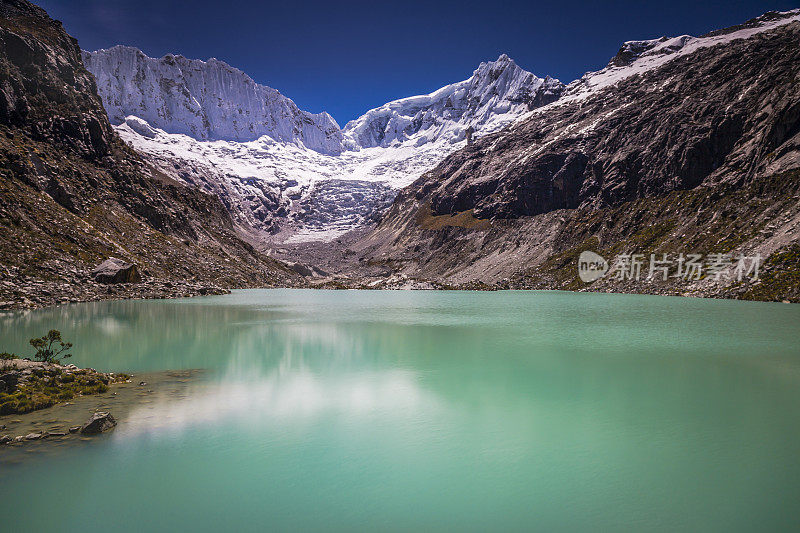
point(40, 386)
point(780, 279)
point(463, 219)
point(50, 348)
point(45, 388)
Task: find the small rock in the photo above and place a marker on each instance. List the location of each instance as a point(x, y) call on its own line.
point(5, 439)
point(33, 436)
point(99, 423)
point(20, 438)
point(56, 434)
point(74, 429)
point(142, 383)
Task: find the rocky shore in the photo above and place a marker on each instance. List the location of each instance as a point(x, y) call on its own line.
point(27, 385)
point(20, 291)
point(81, 419)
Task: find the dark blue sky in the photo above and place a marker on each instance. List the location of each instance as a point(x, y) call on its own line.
point(347, 57)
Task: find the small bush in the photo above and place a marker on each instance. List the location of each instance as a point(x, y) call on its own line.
point(50, 348)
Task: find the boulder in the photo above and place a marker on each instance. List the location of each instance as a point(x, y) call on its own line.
point(115, 270)
point(99, 423)
point(301, 269)
point(307, 271)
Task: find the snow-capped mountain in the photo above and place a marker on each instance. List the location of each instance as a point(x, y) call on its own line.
point(497, 93)
point(280, 169)
point(206, 100)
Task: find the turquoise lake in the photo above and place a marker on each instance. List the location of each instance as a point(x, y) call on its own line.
point(416, 410)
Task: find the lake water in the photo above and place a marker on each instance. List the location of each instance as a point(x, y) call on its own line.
point(357, 410)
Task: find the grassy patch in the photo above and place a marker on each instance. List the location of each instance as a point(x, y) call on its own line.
point(47, 387)
point(780, 279)
point(462, 219)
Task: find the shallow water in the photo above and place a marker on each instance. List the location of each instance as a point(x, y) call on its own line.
point(355, 410)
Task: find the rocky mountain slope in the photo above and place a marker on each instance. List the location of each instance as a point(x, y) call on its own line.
point(683, 145)
point(283, 171)
point(72, 193)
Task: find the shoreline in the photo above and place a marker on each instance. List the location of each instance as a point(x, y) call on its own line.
point(173, 290)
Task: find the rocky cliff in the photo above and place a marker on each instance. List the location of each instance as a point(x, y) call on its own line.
point(72, 193)
point(678, 145)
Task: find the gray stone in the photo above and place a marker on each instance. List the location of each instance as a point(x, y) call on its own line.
point(99, 423)
point(115, 270)
point(301, 269)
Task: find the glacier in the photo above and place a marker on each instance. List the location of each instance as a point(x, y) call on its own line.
point(285, 173)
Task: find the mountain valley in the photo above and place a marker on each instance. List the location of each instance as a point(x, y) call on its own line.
point(208, 180)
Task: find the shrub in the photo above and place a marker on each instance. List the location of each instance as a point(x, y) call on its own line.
point(50, 348)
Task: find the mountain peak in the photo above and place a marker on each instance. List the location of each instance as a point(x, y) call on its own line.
point(496, 93)
point(206, 100)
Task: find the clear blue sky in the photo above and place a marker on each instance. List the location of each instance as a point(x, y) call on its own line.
point(347, 57)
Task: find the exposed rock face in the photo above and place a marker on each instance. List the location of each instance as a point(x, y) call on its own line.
point(98, 423)
point(43, 84)
point(206, 100)
point(115, 270)
point(72, 193)
point(675, 140)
